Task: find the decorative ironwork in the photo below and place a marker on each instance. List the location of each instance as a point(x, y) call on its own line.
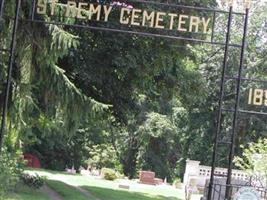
point(258, 181)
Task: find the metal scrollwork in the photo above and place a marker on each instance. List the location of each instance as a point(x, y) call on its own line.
point(257, 180)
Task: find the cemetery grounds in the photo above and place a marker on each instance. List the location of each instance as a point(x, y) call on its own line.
point(64, 186)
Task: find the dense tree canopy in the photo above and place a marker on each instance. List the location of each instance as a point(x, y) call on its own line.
point(84, 97)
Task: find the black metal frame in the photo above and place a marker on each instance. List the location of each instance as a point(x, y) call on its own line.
point(219, 117)
point(33, 19)
point(226, 45)
point(237, 101)
point(11, 52)
point(2, 2)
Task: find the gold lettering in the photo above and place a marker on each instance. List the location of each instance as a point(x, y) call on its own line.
point(107, 12)
point(250, 96)
point(159, 18)
point(135, 16)
point(71, 9)
point(258, 96)
point(95, 10)
point(172, 19)
point(147, 17)
point(53, 6)
point(123, 19)
point(205, 25)
point(194, 22)
point(41, 7)
point(81, 10)
point(181, 22)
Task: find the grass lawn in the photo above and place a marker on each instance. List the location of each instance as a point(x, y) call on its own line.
point(93, 189)
point(25, 193)
point(66, 191)
point(110, 194)
point(70, 193)
point(105, 190)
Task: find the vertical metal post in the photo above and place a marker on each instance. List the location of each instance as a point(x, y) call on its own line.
point(213, 26)
point(219, 116)
point(9, 75)
point(2, 3)
point(33, 9)
point(237, 101)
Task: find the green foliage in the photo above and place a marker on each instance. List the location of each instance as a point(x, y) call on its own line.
point(156, 126)
point(102, 155)
point(47, 104)
point(158, 98)
point(11, 167)
point(254, 157)
point(108, 174)
point(32, 181)
point(157, 138)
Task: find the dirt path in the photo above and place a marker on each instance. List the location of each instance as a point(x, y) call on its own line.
point(53, 195)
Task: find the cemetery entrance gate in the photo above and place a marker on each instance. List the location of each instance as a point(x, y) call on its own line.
point(197, 25)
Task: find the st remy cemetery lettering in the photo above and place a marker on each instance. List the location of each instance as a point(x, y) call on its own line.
point(129, 16)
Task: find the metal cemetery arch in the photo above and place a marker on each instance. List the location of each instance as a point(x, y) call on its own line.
point(226, 44)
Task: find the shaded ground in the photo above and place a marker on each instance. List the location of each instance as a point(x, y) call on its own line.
point(51, 193)
point(66, 191)
point(87, 193)
point(25, 193)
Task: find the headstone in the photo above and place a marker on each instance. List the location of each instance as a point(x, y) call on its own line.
point(147, 177)
point(71, 171)
point(246, 193)
point(124, 186)
point(85, 172)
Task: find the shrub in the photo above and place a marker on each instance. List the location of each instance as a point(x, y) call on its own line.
point(32, 181)
point(119, 175)
point(11, 166)
point(254, 157)
point(108, 174)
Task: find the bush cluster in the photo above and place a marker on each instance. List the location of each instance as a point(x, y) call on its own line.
point(33, 181)
point(11, 167)
point(108, 174)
